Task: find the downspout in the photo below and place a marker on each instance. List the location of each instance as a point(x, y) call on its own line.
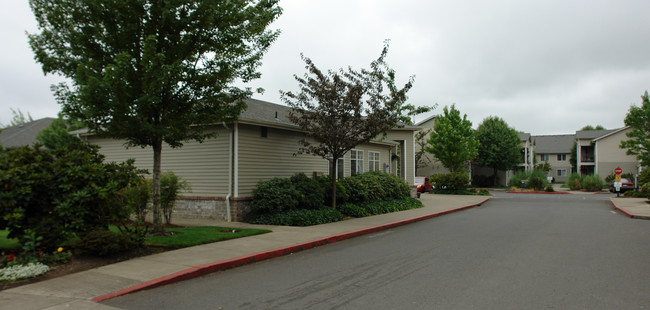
point(230, 159)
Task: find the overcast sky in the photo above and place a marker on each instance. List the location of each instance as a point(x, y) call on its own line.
point(545, 67)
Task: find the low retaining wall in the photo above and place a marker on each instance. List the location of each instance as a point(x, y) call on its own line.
point(212, 208)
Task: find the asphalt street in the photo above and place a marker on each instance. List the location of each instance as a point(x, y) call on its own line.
point(517, 251)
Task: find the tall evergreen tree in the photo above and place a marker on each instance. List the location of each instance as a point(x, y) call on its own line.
point(153, 72)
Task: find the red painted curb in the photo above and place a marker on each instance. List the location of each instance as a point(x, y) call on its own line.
point(628, 214)
point(550, 193)
point(243, 260)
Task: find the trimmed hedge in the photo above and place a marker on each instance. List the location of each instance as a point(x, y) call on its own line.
point(374, 186)
point(534, 180)
point(275, 195)
point(380, 207)
point(592, 183)
point(301, 217)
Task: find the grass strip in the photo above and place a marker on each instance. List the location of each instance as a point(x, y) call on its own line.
point(189, 236)
point(7, 243)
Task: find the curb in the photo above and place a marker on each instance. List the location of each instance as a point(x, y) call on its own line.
point(548, 193)
point(619, 209)
point(257, 257)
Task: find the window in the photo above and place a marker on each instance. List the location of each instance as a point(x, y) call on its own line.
point(544, 157)
point(373, 161)
point(264, 131)
point(561, 157)
point(356, 162)
point(561, 172)
point(340, 169)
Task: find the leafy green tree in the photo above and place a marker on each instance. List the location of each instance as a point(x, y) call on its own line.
point(638, 118)
point(57, 134)
point(18, 118)
point(345, 108)
point(452, 140)
point(499, 145)
point(573, 159)
point(153, 72)
point(589, 127)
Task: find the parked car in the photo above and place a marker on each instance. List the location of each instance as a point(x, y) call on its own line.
point(626, 185)
point(423, 184)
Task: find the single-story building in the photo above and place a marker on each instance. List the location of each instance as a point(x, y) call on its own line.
point(262, 144)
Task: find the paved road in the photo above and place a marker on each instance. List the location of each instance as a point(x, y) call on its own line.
point(514, 252)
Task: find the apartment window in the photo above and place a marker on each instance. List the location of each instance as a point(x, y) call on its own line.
point(340, 168)
point(544, 157)
point(356, 162)
point(373, 161)
point(561, 157)
point(264, 131)
point(561, 172)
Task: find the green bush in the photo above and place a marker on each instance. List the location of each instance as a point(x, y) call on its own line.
point(374, 186)
point(575, 181)
point(380, 207)
point(549, 188)
point(105, 243)
point(275, 195)
point(645, 190)
point(299, 217)
point(644, 176)
point(170, 186)
point(537, 180)
point(450, 182)
point(312, 194)
point(136, 196)
point(326, 184)
point(592, 183)
point(59, 193)
point(517, 178)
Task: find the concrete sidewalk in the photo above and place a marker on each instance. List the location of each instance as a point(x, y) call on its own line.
point(636, 208)
point(83, 290)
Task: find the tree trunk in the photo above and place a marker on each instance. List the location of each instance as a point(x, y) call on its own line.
point(157, 214)
point(333, 175)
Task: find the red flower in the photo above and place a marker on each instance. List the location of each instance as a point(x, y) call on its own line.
point(11, 257)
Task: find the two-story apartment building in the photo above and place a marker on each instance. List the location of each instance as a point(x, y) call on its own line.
point(555, 150)
point(598, 152)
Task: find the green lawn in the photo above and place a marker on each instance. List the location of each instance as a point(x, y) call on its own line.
point(182, 236)
point(6, 243)
point(189, 236)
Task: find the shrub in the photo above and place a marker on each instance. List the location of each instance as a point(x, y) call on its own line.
point(105, 242)
point(170, 186)
point(592, 183)
point(136, 196)
point(537, 180)
point(451, 181)
point(58, 193)
point(516, 180)
point(311, 193)
point(549, 188)
point(374, 186)
point(575, 182)
point(341, 193)
point(645, 190)
point(380, 207)
point(299, 217)
point(644, 176)
point(275, 195)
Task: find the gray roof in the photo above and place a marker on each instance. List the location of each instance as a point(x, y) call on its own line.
point(592, 134)
point(524, 136)
point(24, 134)
point(554, 144)
point(263, 112)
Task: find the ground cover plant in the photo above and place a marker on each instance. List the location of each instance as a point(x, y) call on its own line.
point(182, 237)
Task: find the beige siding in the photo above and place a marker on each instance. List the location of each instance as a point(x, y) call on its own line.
point(266, 158)
point(407, 137)
point(557, 165)
point(203, 165)
point(609, 155)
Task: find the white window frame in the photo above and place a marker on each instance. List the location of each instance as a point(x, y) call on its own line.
point(356, 162)
point(561, 172)
point(544, 157)
point(561, 157)
point(374, 161)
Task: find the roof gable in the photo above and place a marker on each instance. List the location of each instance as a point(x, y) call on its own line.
point(24, 134)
